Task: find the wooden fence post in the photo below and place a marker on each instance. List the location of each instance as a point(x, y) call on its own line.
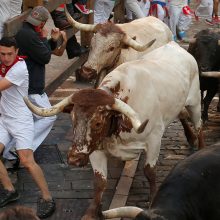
point(119, 11)
point(89, 19)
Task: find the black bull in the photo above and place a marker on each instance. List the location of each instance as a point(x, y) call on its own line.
point(190, 191)
point(206, 50)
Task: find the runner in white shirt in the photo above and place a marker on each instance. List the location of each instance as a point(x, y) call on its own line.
point(16, 122)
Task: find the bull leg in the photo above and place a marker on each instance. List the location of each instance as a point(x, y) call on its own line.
point(152, 154)
point(207, 100)
point(99, 164)
point(190, 136)
point(195, 114)
point(150, 174)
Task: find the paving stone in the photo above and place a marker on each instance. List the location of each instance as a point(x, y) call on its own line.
point(48, 154)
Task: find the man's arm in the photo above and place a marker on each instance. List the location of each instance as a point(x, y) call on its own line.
point(5, 84)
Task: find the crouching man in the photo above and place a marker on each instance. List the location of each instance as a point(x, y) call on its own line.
point(16, 121)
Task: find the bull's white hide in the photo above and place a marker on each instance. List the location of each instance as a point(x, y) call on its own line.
point(158, 86)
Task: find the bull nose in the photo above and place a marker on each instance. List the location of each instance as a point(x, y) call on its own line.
point(88, 73)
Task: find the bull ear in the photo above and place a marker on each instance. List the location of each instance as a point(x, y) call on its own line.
point(125, 109)
point(135, 45)
point(134, 38)
point(68, 108)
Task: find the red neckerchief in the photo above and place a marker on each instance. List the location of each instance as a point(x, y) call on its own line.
point(39, 31)
point(4, 69)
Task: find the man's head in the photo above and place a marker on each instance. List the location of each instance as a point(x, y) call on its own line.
point(38, 16)
point(8, 50)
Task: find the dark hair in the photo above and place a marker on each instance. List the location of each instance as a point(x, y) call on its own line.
point(8, 42)
point(18, 213)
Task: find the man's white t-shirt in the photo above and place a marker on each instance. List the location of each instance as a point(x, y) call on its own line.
point(12, 104)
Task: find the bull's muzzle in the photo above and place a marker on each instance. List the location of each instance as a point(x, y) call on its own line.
point(88, 73)
point(77, 159)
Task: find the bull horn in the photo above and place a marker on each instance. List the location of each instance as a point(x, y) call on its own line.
point(211, 74)
point(122, 212)
point(47, 112)
point(135, 45)
point(125, 109)
point(79, 26)
point(219, 42)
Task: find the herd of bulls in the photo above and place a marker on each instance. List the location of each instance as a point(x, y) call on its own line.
point(145, 81)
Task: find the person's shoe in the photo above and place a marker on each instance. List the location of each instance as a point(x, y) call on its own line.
point(45, 208)
point(82, 8)
point(7, 197)
point(78, 52)
point(211, 23)
point(216, 19)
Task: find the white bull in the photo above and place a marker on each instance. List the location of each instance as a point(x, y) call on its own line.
point(114, 44)
point(107, 120)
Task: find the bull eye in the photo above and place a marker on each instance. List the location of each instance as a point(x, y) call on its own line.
point(97, 125)
point(111, 49)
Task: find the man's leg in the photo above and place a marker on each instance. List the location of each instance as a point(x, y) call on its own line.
point(27, 160)
point(4, 178)
point(8, 193)
point(45, 205)
point(135, 8)
point(98, 12)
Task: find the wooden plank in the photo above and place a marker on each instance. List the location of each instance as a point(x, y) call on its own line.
point(119, 12)
point(12, 26)
point(89, 19)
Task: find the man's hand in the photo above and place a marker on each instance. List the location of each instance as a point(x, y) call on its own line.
point(55, 34)
point(44, 32)
point(63, 33)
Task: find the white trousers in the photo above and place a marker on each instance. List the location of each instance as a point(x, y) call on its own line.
point(174, 12)
point(205, 9)
point(42, 125)
point(160, 12)
point(133, 6)
point(102, 10)
point(145, 7)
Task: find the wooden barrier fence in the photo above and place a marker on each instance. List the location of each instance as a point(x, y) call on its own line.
point(12, 26)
